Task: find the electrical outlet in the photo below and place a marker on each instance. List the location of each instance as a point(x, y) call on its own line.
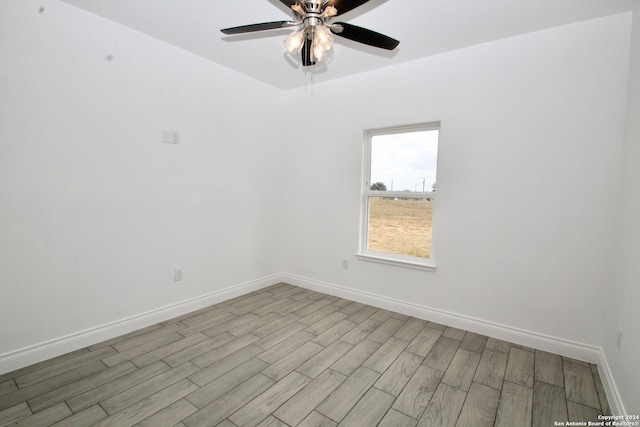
point(177, 274)
point(619, 341)
point(345, 264)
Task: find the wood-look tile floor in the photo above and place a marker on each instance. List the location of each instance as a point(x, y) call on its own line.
point(286, 356)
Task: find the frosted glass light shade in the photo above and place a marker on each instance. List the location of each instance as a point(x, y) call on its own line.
point(323, 38)
point(318, 53)
point(293, 43)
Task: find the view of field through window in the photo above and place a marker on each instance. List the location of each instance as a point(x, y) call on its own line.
point(400, 226)
point(403, 165)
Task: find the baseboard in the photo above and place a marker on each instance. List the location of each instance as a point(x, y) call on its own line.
point(36, 353)
point(568, 348)
point(532, 339)
point(610, 388)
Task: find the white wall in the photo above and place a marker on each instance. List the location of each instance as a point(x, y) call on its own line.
point(532, 129)
point(623, 309)
point(96, 212)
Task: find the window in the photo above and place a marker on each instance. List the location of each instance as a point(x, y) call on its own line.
point(399, 188)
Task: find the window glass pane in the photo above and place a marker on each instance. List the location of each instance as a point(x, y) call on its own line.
point(404, 161)
point(400, 226)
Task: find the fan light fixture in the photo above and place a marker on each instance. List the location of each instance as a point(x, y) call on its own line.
point(320, 38)
point(314, 32)
point(315, 35)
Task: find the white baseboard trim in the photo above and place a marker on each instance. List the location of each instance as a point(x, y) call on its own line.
point(564, 347)
point(36, 353)
point(42, 351)
point(532, 339)
point(610, 388)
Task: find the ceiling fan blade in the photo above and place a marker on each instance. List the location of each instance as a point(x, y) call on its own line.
point(344, 6)
point(288, 3)
point(362, 35)
point(258, 27)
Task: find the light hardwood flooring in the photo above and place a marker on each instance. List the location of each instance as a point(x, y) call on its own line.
point(286, 356)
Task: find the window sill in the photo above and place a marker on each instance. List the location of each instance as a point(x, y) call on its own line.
point(399, 261)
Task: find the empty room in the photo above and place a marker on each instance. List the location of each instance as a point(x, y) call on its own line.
point(319, 213)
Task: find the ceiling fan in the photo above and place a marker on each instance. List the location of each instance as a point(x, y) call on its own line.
point(314, 36)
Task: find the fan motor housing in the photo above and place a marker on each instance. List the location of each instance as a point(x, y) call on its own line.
point(312, 21)
point(313, 6)
point(313, 13)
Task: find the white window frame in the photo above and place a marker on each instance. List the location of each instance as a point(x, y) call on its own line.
point(427, 264)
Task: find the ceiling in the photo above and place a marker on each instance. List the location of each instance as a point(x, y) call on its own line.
point(424, 28)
